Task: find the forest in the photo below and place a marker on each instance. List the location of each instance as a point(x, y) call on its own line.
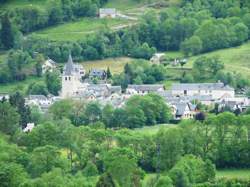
point(81, 144)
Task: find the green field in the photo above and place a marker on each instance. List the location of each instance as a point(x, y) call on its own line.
point(116, 65)
point(19, 86)
point(235, 59)
point(231, 173)
point(77, 30)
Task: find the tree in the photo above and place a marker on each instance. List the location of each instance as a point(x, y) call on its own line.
point(170, 148)
point(53, 82)
point(107, 115)
point(17, 100)
point(135, 117)
point(38, 89)
point(192, 46)
point(206, 68)
point(7, 32)
point(61, 109)
point(192, 170)
point(90, 169)
point(9, 118)
point(44, 159)
point(121, 164)
point(12, 174)
point(164, 181)
point(109, 75)
point(93, 112)
point(39, 61)
point(106, 180)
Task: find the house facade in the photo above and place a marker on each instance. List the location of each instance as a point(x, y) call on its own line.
point(215, 90)
point(144, 89)
point(49, 65)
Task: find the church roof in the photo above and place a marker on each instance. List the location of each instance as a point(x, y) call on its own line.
point(69, 67)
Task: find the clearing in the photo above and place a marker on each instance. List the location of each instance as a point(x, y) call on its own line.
point(21, 86)
point(115, 65)
point(234, 173)
point(77, 30)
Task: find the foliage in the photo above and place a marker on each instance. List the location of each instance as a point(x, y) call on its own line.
point(9, 118)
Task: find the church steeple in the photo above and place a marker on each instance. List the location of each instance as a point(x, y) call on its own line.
point(69, 67)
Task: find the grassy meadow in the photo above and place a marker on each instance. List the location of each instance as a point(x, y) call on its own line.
point(77, 30)
point(19, 86)
point(115, 65)
point(236, 59)
point(234, 173)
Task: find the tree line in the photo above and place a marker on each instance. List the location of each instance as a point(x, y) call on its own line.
point(32, 18)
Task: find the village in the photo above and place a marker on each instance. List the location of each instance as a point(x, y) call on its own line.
point(182, 98)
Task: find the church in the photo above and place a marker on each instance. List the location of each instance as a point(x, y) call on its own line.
point(72, 78)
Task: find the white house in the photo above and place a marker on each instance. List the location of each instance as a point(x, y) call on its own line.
point(29, 127)
point(107, 13)
point(215, 90)
point(144, 89)
point(48, 65)
point(157, 57)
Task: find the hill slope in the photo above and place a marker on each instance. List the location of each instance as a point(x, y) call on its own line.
point(235, 59)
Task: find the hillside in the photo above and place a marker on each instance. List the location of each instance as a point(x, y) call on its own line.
point(79, 29)
point(236, 59)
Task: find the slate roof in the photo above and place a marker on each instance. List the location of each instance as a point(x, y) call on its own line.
point(37, 97)
point(97, 73)
point(201, 86)
point(69, 67)
point(146, 87)
point(181, 106)
point(115, 89)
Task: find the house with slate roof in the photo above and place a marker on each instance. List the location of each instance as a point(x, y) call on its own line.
point(215, 90)
point(98, 73)
point(144, 89)
point(184, 110)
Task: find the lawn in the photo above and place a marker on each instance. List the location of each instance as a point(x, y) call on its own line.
point(116, 65)
point(79, 29)
point(18, 86)
point(235, 59)
point(234, 173)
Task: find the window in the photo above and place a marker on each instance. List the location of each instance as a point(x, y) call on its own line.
point(185, 92)
point(65, 78)
point(69, 78)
